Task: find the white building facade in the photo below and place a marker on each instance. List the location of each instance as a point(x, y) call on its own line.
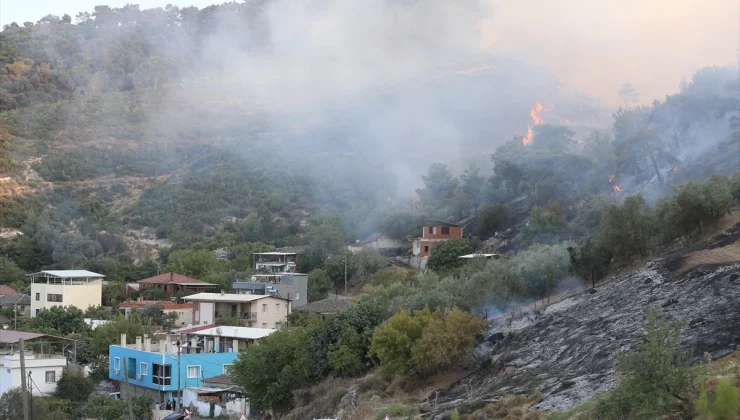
point(79, 288)
point(45, 372)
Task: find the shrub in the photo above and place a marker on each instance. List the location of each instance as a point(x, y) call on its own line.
point(724, 406)
point(491, 217)
point(426, 342)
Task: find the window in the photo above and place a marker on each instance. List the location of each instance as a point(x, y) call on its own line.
point(445, 230)
point(37, 311)
point(426, 249)
point(143, 369)
point(227, 369)
point(161, 374)
point(264, 325)
point(53, 298)
point(38, 297)
point(193, 371)
point(297, 295)
point(264, 308)
point(277, 308)
point(51, 376)
point(117, 363)
point(431, 230)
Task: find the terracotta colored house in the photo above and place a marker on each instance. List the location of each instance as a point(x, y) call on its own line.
point(435, 233)
point(173, 284)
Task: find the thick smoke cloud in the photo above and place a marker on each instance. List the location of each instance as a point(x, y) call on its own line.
point(596, 46)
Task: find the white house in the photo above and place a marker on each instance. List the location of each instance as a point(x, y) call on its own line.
point(45, 371)
point(80, 288)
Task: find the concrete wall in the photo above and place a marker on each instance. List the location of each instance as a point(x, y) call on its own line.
point(270, 316)
point(82, 296)
point(10, 372)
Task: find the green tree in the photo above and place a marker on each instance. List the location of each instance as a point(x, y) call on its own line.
point(11, 407)
point(329, 235)
point(445, 255)
point(694, 206)
point(60, 320)
point(491, 217)
point(590, 261)
point(10, 274)
point(440, 185)
point(113, 294)
point(542, 267)
point(626, 229)
point(346, 355)
point(319, 285)
point(270, 384)
point(74, 387)
point(426, 342)
point(153, 293)
point(193, 263)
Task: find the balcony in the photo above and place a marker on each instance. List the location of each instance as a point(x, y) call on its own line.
point(243, 316)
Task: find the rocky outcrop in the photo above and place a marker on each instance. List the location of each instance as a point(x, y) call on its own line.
point(569, 350)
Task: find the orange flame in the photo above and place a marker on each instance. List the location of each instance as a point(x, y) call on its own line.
point(534, 113)
point(617, 188)
point(527, 140)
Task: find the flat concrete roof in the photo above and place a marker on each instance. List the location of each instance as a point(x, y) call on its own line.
point(67, 274)
point(227, 297)
point(242, 333)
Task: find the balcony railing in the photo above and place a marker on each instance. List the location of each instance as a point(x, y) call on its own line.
point(246, 316)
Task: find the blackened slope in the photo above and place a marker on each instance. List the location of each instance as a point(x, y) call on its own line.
point(570, 350)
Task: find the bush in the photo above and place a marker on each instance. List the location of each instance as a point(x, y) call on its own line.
point(735, 186)
point(426, 342)
point(74, 387)
point(725, 405)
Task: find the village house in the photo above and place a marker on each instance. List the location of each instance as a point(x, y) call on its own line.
point(45, 369)
point(183, 312)
point(377, 241)
point(433, 234)
point(177, 362)
point(292, 286)
point(261, 311)
point(20, 302)
point(175, 285)
point(80, 288)
point(275, 262)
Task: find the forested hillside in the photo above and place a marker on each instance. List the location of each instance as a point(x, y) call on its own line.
point(123, 130)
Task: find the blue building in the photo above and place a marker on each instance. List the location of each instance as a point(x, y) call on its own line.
point(153, 368)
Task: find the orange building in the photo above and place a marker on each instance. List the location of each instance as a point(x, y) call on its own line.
point(435, 233)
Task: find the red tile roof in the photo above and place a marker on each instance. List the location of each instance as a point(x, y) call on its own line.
point(7, 290)
point(173, 278)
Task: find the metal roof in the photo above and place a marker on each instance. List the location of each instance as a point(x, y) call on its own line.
point(227, 297)
point(274, 253)
point(66, 274)
point(242, 333)
point(471, 256)
point(12, 337)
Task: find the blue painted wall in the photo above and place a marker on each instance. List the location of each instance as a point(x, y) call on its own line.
point(210, 365)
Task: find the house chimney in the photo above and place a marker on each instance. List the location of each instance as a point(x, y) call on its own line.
point(123, 340)
point(147, 343)
point(138, 343)
point(167, 343)
point(170, 277)
point(222, 292)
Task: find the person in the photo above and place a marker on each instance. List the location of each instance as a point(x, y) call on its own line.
point(168, 406)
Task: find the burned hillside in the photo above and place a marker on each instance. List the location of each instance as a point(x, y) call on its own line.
point(569, 350)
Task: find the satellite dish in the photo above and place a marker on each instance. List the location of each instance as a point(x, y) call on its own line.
point(218, 331)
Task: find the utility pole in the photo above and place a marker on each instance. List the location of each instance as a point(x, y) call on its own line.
point(23, 380)
point(345, 272)
point(179, 390)
point(129, 401)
